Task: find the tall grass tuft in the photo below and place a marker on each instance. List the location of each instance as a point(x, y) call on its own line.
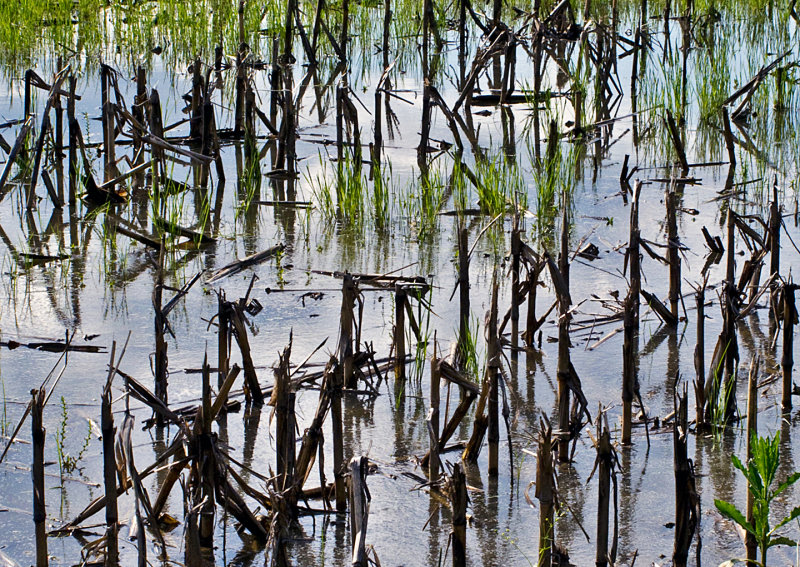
point(556, 174)
point(500, 184)
point(350, 190)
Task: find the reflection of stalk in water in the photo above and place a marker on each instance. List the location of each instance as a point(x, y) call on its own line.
point(530, 408)
point(244, 557)
point(399, 421)
point(673, 367)
point(55, 227)
point(628, 498)
point(252, 419)
point(765, 346)
point(571, 494)
point(435, 552)
point(786, 467)
point(509, 136)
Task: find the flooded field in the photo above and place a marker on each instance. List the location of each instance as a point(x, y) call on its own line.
point(532, 261)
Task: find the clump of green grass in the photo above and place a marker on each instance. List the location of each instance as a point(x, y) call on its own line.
point(180, 28)
point(66, 462)
point(500, 184)
point(381, 194)
point(344, 195)
point(350, 190)
point(424, 339)
point(250, 186)
point(460, 186)
point(722, 391)
point(713, 81)
point(423, 201)
point(468, 350)
point(555, 174)
point(341, 195)
point(321, 190)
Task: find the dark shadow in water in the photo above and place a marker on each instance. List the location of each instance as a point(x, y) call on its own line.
point(720, 469)
point(484, 506)
point(245, 556)
point(571, 494)
point(629, 492)
point(673, 367)
point(357, 414)
point(435, 547)
point(252, 420)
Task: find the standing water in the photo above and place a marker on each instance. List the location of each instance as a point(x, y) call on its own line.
point(486, 246)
